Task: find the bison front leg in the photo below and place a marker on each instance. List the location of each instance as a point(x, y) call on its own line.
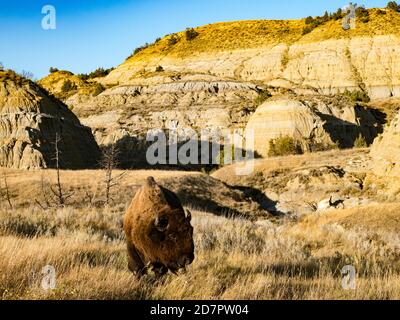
point(159, 269)
point(135, 263)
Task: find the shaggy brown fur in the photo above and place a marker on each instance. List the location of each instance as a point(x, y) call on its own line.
point(159, 234)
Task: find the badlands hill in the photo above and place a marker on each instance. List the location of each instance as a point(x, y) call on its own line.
point(30, 122)
point(236, 74)
point(281, 52)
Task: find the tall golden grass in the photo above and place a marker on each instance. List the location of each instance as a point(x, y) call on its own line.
point(235, 259)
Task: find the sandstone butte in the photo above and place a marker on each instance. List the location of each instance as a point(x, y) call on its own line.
point(30, 121)
point(386, 150)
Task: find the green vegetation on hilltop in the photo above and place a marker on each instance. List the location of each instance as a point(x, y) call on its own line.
point(392, 5)
point(14, 76)
point(229, 36)
point(98, 73)
point(191, 34)
point(312, 23)
point(64, 84)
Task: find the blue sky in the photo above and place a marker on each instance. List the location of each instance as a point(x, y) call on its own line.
point(94, 33)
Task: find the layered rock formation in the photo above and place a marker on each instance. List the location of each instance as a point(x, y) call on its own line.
point(278, 53)
point(123, 115)
point(316, 122)
point(30, 121)
point(386, 151)
point(216, 79)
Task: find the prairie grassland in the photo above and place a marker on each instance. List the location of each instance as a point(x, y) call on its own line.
point(235, 259)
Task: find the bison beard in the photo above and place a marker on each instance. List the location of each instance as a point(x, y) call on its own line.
point(158, 232)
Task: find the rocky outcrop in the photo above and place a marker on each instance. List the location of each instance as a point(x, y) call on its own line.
point(368, 63)
point(386, 151)
point(30, 121)
point(123, 115)
point(316, 122)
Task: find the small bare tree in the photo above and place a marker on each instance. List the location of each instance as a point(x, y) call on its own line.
point(27, 74)
point(109, 163)
point(6, 195)
point(46, 202)
point(60, 196)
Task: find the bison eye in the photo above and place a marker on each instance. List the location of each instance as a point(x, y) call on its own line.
point(161, 223)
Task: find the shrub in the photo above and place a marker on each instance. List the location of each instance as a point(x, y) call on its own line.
point(98, 88)
point(159, 69)
point(13, 76)
point(337, 15)
point(53, 70)
point(139, 49)
point(392, 5)
point(284, 146)
point(27, 74)
point(312, 23)
point(360, 142)
point(262, 97)
point(1, 67)
point(173, 40)
point(313, 146)
point(357, 96)
point(191, 34)
point(307, 30)
point(309, 20)
point(98, 73)
point(68, 86)
point(362, 14)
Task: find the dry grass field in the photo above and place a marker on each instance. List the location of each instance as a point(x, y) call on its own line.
point(287, 258)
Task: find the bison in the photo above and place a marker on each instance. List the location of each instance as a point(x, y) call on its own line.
point(158, 231)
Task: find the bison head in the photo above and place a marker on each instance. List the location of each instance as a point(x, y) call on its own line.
point(170, 230)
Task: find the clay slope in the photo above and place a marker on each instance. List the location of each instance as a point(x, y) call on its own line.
point(30, 120)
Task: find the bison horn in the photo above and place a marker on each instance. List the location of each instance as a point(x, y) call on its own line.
point(151, 182)
point(161, 223)
point(188, 215)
